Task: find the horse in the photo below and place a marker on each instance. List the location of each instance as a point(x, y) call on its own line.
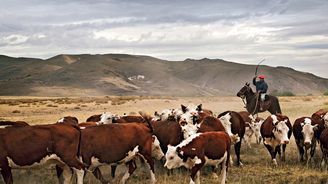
point(271, 103)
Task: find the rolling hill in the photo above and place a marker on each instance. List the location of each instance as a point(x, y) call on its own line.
point(120, 74)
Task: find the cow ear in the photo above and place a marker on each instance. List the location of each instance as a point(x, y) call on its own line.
point(315, 127)
point(183, 108)
point(199, 107)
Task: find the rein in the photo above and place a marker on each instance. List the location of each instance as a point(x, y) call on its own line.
point(257, 100)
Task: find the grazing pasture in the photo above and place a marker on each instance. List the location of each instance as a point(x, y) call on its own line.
point(257, 166)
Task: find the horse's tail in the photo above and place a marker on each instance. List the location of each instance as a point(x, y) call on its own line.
point(278, 110)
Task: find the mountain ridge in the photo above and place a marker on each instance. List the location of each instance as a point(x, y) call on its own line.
point(124, 74)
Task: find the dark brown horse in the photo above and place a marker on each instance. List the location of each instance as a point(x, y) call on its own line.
point(271, 103)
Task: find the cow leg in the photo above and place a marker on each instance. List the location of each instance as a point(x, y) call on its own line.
point(97, 173)
point(194, 175)
point(224, 168)
point(237, 151)
point(300, 150)
point(313, 147)
point(272, 153)
point(79, 175)
point(113, 170)
point(283, 158)
point(6, 171)
point(132, 166)
point(64, 174)
point(150, 164)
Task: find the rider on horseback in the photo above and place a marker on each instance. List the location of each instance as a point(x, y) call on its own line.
point(261, 88)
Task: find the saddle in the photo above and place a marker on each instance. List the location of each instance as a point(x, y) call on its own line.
point(266, 103)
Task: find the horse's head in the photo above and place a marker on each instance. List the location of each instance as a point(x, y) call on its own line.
point(244, 90)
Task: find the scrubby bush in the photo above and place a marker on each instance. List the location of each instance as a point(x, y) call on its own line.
point(282, 93)
point(325, 93)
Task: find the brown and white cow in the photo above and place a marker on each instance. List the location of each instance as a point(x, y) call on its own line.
point(322, 117)
point(114, 144)
point(324, 148)
point(234, 125)
point(104, 118)
point(304, 130)
point(276, 131)
point(39, 145)
point(210, 148)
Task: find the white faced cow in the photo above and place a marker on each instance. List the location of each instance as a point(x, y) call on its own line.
point(304, 130)
point(209, 148)
point(276, 130)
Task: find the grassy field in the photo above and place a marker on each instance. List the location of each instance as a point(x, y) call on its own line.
point(257, 164)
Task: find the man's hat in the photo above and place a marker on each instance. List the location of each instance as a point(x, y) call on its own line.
point(261, 76)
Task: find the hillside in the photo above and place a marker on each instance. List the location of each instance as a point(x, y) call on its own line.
point(119, 74)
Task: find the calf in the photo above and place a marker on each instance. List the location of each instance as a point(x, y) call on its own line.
point(114, 144)
point(252, 127)
point(276, 130)
point(234, 125)
point(29, 146)
point(210, 148)
point(304, 130)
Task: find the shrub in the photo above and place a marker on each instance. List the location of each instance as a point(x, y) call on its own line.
point(325, 93)
point(282, 93)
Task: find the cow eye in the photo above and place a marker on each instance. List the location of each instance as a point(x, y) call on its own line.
point(171, 158)
point(279, 131)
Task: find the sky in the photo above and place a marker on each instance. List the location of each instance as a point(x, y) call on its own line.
point(291, 33)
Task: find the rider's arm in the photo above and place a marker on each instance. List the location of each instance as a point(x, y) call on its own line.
point(254, 80)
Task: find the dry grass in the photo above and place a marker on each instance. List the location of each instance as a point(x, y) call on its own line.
point(257, 167)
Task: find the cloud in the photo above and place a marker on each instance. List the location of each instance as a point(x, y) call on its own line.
point(285, 32)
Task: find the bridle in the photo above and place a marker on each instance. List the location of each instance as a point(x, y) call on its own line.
point(243, 96)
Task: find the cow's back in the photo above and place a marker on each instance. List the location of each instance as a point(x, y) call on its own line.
point(115, 139)
point(168, 133)
point(209, 124)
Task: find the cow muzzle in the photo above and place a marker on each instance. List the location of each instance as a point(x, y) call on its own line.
point(307, 144)
point(285, 142)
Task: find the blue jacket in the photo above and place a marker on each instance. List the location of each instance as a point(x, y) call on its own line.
point(261, 86)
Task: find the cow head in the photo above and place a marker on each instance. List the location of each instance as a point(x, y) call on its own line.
point(187, 126)
point(106, 118)
point(173, 157)
point(308, 131)
point(166, 114)
point(280, 129)
point(193, 110)
point(156, 150)
point(225, 120)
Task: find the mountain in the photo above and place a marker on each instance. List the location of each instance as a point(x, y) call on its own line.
point(121, 74)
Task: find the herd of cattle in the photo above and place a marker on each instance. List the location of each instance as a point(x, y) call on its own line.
point(189, 136)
